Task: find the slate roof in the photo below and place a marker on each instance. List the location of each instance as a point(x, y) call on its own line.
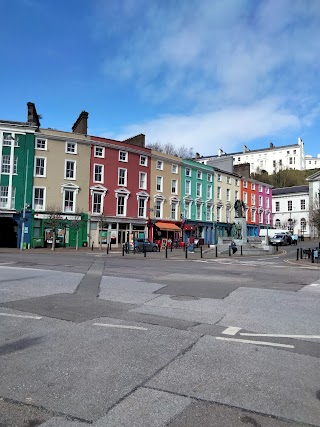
point(291, 190)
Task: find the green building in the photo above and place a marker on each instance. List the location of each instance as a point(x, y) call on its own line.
point(197, 200)
point(17, 154)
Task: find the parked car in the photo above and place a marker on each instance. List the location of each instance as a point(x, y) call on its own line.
point(281, 239)
point(139, 243)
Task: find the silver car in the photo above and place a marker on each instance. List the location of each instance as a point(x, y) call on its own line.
point(280, 239)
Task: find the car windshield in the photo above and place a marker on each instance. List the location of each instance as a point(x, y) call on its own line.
point(278, 236)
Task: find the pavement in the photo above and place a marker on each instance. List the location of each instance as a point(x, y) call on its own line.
point(105, 340)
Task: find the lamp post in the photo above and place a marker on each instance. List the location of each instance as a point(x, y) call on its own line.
point(24, 204)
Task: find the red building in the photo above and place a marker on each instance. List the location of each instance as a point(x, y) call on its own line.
point(119, 199)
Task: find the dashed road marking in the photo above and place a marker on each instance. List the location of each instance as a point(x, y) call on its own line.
point(120, 326)
point(22, 316)
point(247, 334)
point(267, 343)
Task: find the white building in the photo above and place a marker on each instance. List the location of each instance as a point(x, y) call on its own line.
point(312, 162)
point(290, 208)
point(270, 159)
point(314, 196)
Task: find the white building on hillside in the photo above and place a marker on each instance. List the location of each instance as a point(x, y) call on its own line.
point(314, 196)
point(312, 162)
point(270, 159)
point(290, 208)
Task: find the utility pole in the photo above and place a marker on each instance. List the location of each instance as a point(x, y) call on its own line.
point(24, 204)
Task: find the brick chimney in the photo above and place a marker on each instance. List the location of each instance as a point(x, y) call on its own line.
point(32, 114)
point(138, 140)
point(81, 124)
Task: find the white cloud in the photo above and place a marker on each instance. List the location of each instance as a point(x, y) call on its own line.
point(225, 129)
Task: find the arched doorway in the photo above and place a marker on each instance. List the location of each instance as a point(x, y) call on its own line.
point(8, 232)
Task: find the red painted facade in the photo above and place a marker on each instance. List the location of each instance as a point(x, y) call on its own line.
point(111, 164)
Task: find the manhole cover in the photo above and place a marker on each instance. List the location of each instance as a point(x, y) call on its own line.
point(184, 298)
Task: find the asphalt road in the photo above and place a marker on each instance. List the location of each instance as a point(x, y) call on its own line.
point(89, 338)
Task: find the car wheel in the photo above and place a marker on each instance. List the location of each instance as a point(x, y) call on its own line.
point(155, 249)
point(138, 249)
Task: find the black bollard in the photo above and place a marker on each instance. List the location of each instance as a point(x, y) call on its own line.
point(171, 245)
point(297, 254)
point(159, 247)
point(186, 251)
point(241, 250)
point(309, 253)
point(110, 246)
point(166, 252)
point(301, 255)
point(201, 252)
point(92, 246)
point(107, 248)
point(312, 256)
point(144, 250)
point(277, 247)
point(122, 250)
point(229, 251)
point(216, 251)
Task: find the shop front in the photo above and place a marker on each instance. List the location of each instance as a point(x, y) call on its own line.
point(221, 230)
point(115, 231)
point(69, 230)
point(167, 233)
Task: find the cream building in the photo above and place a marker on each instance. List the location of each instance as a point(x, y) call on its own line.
point(61, 185)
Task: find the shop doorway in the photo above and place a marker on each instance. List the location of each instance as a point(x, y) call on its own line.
point(8, 233)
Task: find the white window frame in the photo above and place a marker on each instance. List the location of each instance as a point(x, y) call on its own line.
point(143, 162)
point(218, 213)
point(209, 191)
point(228, 180)
point(125, 177)
point(302, 204)
point(74, 177)
point(219, 192)
point(74, 144)
point(198, 211)
point(209, 213)
point(174, 188)
point(199, 189)
point(174, 168)
point(219, 177)
point(260, 200)
point(260, 188)
point(123, 156)
point(245, 184)
point(44, 167)
point(245, 197)
point(199, 174)
point(277, 206)
point(159, 185)
point(36, 206)
point(97, 193)
point(228, 194)
point(159, 165)
point(144, 200)
point(98, 165)
point(71, 191)
point(253, 199)
point(174, 210)
point(188, 184)
point(125, 199)
point(188, 172)
point(99, 154)
point(143, 183)
point(209, 177)
point(187, 209)
point(253, 215)
point(45, 148)
point(160, 210)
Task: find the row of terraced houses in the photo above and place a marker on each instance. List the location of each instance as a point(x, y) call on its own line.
point(100, 190)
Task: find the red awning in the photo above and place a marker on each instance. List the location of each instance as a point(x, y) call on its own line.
point(167, 226)
point(189, 227)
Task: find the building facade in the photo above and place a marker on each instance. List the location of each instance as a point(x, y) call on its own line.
point(16, 166)
point(291, 209)
point(61, 187)
point(119, 190)
point(270, 159)
point(165, 218)
point(198, 201)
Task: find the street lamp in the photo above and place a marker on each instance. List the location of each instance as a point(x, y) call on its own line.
point(24, 204)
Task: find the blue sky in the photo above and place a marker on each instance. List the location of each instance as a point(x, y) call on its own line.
point(207, 74)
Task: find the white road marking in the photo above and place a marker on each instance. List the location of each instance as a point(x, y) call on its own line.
point(19, 315)
point(271, 344)
point(232, 330)
point(314, 284)
point(316, 337)
point(120, 326)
